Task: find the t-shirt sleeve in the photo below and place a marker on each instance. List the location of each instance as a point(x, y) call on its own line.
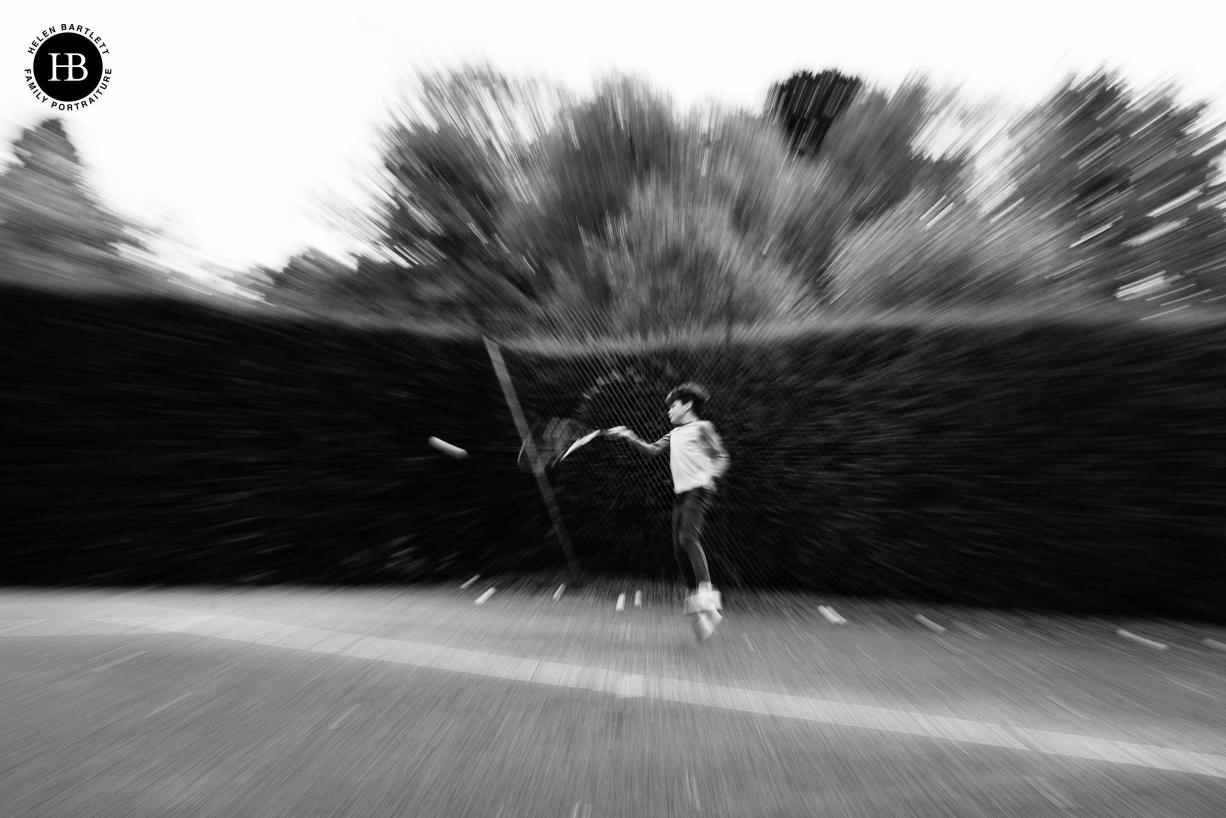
point(652, 449)
point(662, 445)
point(714, 448)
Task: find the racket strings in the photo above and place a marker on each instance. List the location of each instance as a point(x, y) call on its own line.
point(562, 433)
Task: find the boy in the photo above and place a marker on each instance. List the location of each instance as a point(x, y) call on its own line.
point(698, 459)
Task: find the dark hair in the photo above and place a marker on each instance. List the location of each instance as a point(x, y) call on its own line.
point(689, 393)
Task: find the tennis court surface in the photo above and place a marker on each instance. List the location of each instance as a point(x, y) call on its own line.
point(310, 702)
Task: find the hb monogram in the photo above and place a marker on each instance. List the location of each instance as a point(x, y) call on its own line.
point(71, 67)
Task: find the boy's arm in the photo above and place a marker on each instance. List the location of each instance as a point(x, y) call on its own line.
point(720, 461)
point(649, 449)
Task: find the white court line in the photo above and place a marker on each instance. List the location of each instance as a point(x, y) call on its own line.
point(169, 704)
point(1140, 640)
point(110, 665)
point(758, 702)
point(632, 687)
point(832, 616)
point(113, 650)
point(692, 791)
point(337, 723)
point(1064, 706)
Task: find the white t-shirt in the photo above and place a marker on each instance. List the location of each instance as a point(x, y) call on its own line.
point(696, 454)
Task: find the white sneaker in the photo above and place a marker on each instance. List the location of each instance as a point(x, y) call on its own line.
point(708, 599)
point(704, 605)
point(703, 627)
point(703, 601)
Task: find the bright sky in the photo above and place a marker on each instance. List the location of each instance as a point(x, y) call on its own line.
point(224, 121)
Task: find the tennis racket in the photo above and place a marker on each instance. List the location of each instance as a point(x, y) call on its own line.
point(554, 440)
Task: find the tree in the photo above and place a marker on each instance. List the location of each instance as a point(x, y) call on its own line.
point(875, 155)
point(51, 223)
point(456, 154)
point(698, 240)
point(675, 260)
point(870, 157)
point(782, 208)
point(1134, 178)
point(583, 178)
point(935, 253)
point(806, 105)
point(308, 279)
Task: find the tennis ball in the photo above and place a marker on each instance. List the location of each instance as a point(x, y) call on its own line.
point(448, 449)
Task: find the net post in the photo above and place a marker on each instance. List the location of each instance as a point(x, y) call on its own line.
point(555, 513)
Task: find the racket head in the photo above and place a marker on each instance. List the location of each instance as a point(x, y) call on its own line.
point(581, 442)
point(533, 448)
point(552, 440)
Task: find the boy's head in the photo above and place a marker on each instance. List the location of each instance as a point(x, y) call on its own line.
point(687, 399)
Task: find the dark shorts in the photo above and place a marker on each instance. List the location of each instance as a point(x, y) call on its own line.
point(689, 515)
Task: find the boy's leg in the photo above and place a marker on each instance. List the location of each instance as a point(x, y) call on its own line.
point(704, 602)
point(679, 553)
point(693, 512)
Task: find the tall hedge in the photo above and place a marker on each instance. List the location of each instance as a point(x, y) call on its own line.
point(150, 440)
point(1058, 462)
point(1047, 462)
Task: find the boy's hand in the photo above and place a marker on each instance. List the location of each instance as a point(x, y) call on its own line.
point(622, 432)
